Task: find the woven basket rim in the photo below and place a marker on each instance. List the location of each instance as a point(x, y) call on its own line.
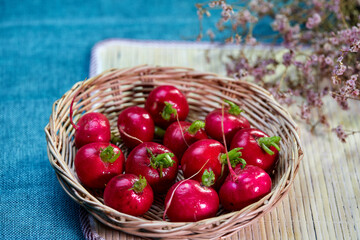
point(63, 172)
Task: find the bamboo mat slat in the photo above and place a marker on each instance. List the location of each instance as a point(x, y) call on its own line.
point(324, 200)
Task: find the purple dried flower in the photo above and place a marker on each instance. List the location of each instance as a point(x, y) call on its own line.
point(250, 40)
point(340, 133)
point(325, 91)
point(211, 34)
point(341, 100)
point(244, 17)
point(314, 58)
point(333, 42)
point(313, 21)
point(340, 59)
point(281, 23)
point(314, 99)
point(238, 39)
point(329, 61)
point(355, 47)
point(327, 47)
point(227, 11)
point(305, 112)
point(260, 6)
point(340, 70)
point(213, 4)
point(335, 80)
point(351, 83)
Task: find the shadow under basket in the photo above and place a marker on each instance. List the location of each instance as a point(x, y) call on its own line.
point(115, 89)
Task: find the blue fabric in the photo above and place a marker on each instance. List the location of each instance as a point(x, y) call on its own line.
point(44, 49)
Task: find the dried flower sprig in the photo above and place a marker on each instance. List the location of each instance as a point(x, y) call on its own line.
point(343, 134)
point(322, 50)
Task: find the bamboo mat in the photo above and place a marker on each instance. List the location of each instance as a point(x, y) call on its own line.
point(325, 197)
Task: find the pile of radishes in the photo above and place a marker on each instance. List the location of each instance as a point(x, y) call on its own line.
point(235, 177)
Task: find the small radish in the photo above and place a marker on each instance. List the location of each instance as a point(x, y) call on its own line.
point(180, 135)
point(191, 201)
point(91, 127)
point(156, 163)
point(165, 104)
point(232, 120)
point(207, 154)
point(258, 148)
point(96, 163)
point(250, 184)
point(135, 126)
point(129, 194)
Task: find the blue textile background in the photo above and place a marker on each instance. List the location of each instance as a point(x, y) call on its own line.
point(44, 49)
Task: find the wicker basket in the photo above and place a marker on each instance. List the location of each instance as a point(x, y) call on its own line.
point(116, 89)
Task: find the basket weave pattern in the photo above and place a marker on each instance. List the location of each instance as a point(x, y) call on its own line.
point(114, 90)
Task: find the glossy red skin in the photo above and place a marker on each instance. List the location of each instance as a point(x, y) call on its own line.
point(174, 139)
point(91, 170)
point(118, 195)
point(137, 122)
point(231, 125)
point(92, 127)
point(191, 202)
point(198, 154)
point(252, 152)
point(252, 184)
point(155, 104)
point(138, 163)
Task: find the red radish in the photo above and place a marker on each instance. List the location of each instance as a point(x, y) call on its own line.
point(232, 121)
point(250, 185)
point(156, 163)
point(129, 194)
point(190, 201)
point(96, 163)
point(92, 127)
point(207, 154)
point(259, 149)
point(165, 104)
point(135, 126)
point(180, 135)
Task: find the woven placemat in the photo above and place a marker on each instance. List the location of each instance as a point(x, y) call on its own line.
point(325, 197)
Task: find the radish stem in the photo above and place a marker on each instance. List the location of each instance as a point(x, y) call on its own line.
point(232, 173)
point(159, 132)
point(266, 142)
point(161, 160)
point(196, 126)
point(208, 178)
point(234, 109)
point(139, 185)
point(108, 155)
point(168, 111)
point(234, 157)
